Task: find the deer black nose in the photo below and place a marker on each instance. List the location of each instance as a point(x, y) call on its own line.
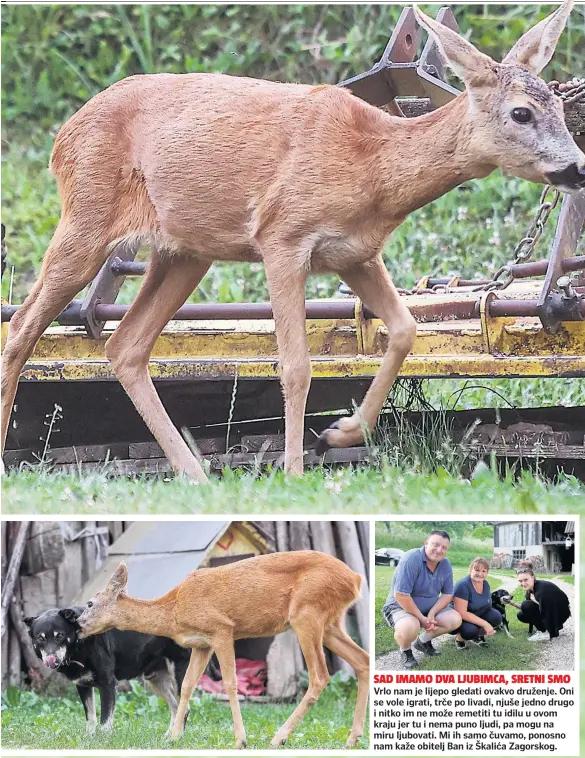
point(572, 176)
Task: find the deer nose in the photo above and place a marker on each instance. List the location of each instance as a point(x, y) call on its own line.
point(572, 176)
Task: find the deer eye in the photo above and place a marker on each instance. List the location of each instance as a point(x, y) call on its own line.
point(90, 604)
point(522, 115)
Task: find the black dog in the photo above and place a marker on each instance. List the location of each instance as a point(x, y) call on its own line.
point(499, 600)
point(102, 660)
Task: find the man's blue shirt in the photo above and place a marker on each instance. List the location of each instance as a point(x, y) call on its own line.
point(413, 577)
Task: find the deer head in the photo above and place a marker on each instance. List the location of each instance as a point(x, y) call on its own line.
point(515, 122)
point(100, 613)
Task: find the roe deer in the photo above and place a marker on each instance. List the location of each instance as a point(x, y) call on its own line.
point(256, 597)
point(208, 167)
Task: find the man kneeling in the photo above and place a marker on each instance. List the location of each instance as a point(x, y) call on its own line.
point(422, 588)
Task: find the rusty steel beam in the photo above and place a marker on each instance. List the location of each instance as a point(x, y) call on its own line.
point(539, 268)
point(423, 311)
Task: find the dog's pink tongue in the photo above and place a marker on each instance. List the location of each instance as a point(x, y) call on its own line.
point(50, 660)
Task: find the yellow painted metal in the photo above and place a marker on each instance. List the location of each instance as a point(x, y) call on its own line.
point(188, 350)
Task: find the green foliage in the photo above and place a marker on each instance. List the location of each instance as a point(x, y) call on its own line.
point(385, 490)
point(35, 721)
point(55, 57)
point(483, 532)
point(464, 547)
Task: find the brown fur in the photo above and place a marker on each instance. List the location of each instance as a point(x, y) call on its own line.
point(207, 167)
point(304, 590)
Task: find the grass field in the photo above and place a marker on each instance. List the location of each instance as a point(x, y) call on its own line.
point(34, 721)
point(384, 489)
point(502, 654)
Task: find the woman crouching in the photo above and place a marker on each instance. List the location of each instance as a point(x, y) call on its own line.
point(472, 600)
point(546, 606)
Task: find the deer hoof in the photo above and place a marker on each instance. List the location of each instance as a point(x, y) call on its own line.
point(240, 744)
point(323, 444)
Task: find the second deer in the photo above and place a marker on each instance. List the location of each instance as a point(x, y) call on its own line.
point(207, 167)
point(304, 590)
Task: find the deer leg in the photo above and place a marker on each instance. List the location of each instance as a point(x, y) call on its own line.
point(340, 643)
point(310, 637)
point(70, 263)
point(372, 284)
point(286, 284)
point(224, 650)
point(199, 660)
point(168, 283)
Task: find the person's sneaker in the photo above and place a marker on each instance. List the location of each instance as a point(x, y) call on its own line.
point(479, 642)
point(460, 645)
point(425, 647)
point(539, 637)
point(408, 659)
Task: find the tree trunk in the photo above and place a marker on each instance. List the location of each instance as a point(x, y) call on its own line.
point(16, 616)
point(12, 571)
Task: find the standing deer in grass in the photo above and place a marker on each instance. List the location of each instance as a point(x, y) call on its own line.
point(305, 590)
point(208, 167)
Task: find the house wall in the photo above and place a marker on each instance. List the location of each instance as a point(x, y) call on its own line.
point(517, 534)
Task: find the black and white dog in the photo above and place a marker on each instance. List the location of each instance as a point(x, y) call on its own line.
point(499, 600)
point(102, 660)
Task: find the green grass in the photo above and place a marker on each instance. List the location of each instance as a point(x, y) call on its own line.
point(503, 653)
point(367, 490)
point(37, 722)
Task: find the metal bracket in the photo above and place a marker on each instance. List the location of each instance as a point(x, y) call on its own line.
point(398, 74)
point(553, 310)
point(104, 288)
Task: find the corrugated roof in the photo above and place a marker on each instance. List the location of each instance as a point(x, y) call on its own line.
point(144, 537)
point(159, 555)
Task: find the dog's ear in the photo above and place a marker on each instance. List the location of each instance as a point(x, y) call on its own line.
point(70, 614)
point(29, 621)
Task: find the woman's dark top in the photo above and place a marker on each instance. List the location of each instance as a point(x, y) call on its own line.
point(476, 602)
point(553, 603)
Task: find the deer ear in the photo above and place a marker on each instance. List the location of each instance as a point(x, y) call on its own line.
point(466, 61)
point(119, 579)
point(535, 48)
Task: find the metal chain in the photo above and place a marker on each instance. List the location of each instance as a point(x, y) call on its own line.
point(572, 91)
point(525, 248)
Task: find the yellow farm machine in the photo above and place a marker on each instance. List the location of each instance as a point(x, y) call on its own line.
point(215, 365)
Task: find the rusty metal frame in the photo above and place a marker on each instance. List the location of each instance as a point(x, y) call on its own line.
point(398, 74)
point(551, 303)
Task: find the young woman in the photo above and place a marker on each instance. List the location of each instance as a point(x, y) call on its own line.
point(472, 600)
point(546, 606)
